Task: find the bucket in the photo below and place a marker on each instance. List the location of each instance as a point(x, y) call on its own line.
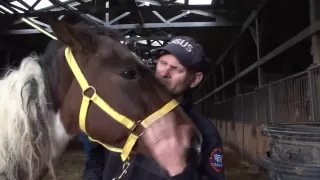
point(282, 170)
point(294, 142)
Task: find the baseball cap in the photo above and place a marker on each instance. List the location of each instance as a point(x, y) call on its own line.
point(187, 51)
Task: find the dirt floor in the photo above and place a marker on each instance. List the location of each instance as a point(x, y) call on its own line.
point(72, 161)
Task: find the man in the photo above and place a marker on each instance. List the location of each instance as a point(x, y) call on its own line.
point(181, 66)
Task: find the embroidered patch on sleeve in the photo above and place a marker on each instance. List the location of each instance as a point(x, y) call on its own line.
point(216, 159)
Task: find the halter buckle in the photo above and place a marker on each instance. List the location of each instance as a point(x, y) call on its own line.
point(134, 128)
point(87, 89)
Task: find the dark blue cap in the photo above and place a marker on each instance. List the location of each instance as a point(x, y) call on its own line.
point(187, 51)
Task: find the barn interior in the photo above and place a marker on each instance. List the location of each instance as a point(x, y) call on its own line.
point(263, 56)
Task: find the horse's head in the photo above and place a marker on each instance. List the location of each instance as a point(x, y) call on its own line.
point(121, 87)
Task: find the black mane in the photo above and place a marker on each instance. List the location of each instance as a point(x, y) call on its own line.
point(50, 68)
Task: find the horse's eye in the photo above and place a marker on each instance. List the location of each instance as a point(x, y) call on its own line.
point(129, 73)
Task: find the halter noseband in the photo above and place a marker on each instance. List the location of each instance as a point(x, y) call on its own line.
point(131, 125)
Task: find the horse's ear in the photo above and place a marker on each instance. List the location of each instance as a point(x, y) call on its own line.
point(69, 34)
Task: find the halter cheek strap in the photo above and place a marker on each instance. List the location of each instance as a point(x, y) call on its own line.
point(95, 98)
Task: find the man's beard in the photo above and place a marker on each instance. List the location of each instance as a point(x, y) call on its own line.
point(166, 84)
point(172, 91)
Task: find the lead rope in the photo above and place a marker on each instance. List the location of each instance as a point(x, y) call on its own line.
point(125, 168)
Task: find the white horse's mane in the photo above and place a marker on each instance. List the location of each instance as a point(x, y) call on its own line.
point(25, 144)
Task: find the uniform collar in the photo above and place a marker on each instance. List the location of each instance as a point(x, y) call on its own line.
point(187, 104)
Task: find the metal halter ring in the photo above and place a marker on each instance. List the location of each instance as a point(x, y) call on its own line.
point(87, 89)
point(135, 126)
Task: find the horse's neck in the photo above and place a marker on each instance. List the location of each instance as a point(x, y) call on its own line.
point(58, 79)
point(60, 137)
point(59, 84)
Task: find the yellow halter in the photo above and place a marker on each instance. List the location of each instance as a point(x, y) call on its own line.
point(131, 125)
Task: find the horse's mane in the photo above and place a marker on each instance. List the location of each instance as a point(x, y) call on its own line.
point(24, 143)
point(49, 63)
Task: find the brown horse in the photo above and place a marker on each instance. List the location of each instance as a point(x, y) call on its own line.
point(42, 99)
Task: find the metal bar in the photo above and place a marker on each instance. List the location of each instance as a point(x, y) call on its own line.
point(162, 43)
point(236, 68)
point(126, 32)
point(33, 31)
point(17, 8)
point(96, 19)
point(202, 13)
point(39, 22)
point(79, 13)
point(314, 11)
point(70, 3)
point(132, 26)
point(5, 8)
point(20, 21)
point(257, 109)
point(103, 10)
point(257, 40)
point(242, 124)
point(271, 103)
point(243, 28)
point(215, 97)
point(39, 28)
point(152, 2)
point(90, 16)
point(312, 96)
point(35, 4)
point(254, 35)
point(199, 12)
point(107, 14)
point(291, 42)
point(25, 4)
point(28, 21)
point(315, 40)
point(223, 80)
point(119, 17)
point(159, 16)
point(135, 12)
point(169, 25)
point(178, 16)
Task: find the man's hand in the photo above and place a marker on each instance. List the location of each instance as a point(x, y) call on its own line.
point(168, 143)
